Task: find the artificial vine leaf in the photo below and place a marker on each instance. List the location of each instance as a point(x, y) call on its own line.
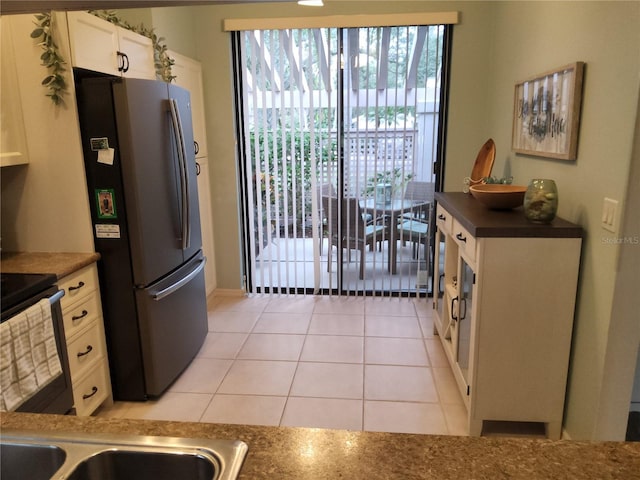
point(50, 59)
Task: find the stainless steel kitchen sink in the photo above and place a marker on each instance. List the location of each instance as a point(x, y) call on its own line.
point(105, 456)
point(27, 460)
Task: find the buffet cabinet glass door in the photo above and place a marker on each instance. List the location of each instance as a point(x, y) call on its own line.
point(466, 289)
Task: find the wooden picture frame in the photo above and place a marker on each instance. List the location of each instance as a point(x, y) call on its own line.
point(546, 113)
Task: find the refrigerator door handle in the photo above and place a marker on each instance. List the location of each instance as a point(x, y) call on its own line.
point(184, 175)
point(165, 292)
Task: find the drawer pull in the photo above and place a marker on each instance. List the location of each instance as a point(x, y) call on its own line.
point(86, 352)
point(82, 315)
point(94, 390)
point(441, 217)
point(461, 238)
point(80, 285)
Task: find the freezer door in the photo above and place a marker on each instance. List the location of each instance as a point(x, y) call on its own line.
point(150, 176)
point(180, 101)
point(173, 324)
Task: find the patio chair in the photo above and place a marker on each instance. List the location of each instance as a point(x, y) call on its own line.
point(417, 191)
point(416, 231)
point(324, 190)
point(356, 234)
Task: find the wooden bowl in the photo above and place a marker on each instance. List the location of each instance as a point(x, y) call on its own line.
point(498, 196)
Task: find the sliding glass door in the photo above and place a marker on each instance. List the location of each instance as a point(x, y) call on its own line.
point(339, 134)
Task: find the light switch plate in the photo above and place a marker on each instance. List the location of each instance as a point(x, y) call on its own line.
point(610, 215)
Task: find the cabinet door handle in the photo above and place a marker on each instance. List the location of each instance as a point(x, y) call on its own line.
point(441, 217)
point(440, 279)
point(94, 390)
point(78, 287)
point(463, 302)
point(86, 352)
point(461, 238)
point(196, 147)
point(123, 66)
point(78, 317)
point(453, 309)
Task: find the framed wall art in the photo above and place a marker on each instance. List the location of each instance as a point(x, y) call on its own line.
point(546, 113)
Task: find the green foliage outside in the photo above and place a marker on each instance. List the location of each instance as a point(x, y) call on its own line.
point(282, 162)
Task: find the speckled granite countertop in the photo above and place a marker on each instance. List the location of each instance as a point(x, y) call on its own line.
point(304, 453)
point(61, 264)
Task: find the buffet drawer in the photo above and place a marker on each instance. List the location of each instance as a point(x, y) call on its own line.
point(444, 220)
point(466, 242)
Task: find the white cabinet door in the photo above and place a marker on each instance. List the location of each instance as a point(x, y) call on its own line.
point(188, 73)
point(94, 43)
point(138, 54)
point(13, 142)
point(103, 47)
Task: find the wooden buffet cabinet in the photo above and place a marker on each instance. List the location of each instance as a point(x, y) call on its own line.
point(504, 307)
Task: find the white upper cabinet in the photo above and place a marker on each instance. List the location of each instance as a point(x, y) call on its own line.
point(188, 73)
point(104, 47)
point(138, 51)
point(13, 144)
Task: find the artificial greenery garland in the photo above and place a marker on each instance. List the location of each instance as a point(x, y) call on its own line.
point(53, 61)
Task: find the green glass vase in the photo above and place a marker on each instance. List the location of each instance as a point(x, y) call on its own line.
point(541, 201)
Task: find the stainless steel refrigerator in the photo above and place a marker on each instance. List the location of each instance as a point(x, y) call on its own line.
point(141, 178)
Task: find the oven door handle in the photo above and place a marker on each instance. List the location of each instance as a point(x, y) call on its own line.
point(56, 297)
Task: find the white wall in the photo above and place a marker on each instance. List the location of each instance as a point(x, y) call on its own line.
point(44, 204)
point(533, 37)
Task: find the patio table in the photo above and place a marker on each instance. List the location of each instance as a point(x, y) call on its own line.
point(392, 210)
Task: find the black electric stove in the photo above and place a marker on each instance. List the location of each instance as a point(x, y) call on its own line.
point(16, 288)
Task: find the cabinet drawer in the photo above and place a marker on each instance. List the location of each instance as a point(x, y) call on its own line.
point(85, 351)
point(444, 220)
point(80, 314)
point(465, 240)
point(78, 285)
point(91, 391)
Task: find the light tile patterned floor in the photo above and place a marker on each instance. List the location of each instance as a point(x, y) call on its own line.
point(329, 362)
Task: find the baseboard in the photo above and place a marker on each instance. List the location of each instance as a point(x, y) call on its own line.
point(229, 292)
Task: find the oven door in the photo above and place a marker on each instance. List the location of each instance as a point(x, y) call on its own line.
point(57, 395)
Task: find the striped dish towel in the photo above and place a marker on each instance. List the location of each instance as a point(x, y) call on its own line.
point(28, 355)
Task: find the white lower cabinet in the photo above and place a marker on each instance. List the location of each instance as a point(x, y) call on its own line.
point(86, 346)
point(503, 310)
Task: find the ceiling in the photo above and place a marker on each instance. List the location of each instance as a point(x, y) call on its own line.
point(34, 6)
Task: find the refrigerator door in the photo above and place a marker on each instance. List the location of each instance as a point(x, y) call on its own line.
point(151, 177)
point(173, 324)
point(180, 100)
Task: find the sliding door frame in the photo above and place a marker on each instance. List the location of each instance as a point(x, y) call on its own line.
point(246, 190)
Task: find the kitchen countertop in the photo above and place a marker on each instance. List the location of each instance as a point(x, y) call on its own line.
point(60, 264)
point(481, 221)
point(313, 453)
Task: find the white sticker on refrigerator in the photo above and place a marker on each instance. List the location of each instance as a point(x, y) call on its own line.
point(107, 231)
point(106, 156)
